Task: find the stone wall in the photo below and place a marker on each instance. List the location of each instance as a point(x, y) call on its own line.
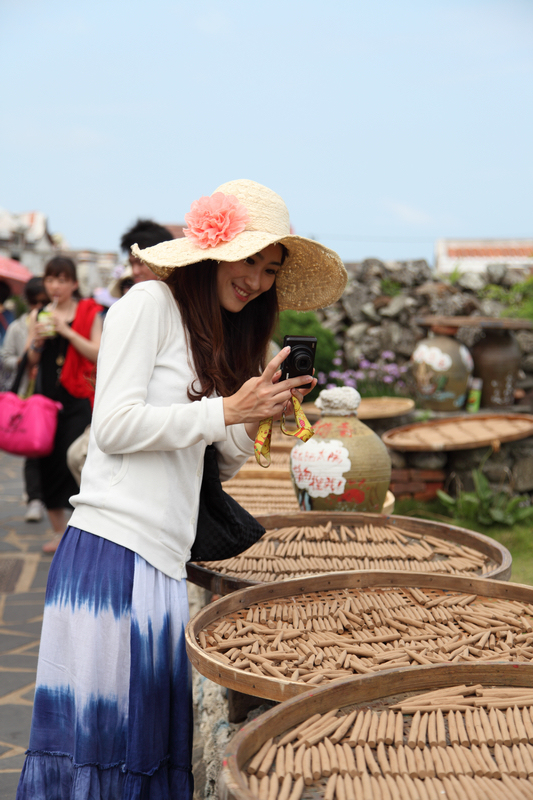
point(510, 469)
point(369, 318)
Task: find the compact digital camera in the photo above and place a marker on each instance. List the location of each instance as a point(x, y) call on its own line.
point(301, 359)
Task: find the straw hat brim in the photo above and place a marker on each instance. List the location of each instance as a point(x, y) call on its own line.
point(115, 288)
point(312, 275)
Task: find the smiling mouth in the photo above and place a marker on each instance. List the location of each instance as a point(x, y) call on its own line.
point(241, 294)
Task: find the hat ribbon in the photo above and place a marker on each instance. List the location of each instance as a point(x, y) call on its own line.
point(304, 431)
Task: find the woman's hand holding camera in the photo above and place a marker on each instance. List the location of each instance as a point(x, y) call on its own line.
point(263, 397)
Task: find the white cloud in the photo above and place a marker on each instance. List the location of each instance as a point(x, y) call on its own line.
point(410, 214)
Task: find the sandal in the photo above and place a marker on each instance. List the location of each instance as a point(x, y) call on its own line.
point(53, 544)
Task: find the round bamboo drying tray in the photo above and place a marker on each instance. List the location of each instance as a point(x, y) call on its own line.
point(402, 619)
point(373, 696)
point(226, 576)
point(460, 433)
point(384, 407)
point(279, 468)
point(260, 495)
point(372, 408)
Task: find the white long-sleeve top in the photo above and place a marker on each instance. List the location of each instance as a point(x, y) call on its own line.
point(141, 482)
point(13, 349)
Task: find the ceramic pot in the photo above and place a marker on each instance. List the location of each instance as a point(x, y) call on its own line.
point(496, 361)
point(344, 467)
point(441, 367)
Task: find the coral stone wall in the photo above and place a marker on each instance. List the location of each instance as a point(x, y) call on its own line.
point(377, 310)
point(376, 313)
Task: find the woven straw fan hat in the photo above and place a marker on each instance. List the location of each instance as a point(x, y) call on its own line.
point(240, 219)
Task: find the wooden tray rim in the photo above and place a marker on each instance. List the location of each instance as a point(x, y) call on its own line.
point(403, 406)
point(218, 583)
point(274, 689)
point(389, 436)
point(489, 323)
point(354, 691)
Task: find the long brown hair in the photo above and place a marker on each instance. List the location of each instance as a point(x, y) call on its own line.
point(226, 348)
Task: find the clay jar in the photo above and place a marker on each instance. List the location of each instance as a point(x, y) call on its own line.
point(344, 467)
point(441, 367)
point(496, 361)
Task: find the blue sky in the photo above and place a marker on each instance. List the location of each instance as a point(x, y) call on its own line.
point(383, 125)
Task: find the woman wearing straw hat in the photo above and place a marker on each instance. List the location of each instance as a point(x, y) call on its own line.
point(182, 365)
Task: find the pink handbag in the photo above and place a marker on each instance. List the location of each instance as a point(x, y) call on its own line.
point(28, 427)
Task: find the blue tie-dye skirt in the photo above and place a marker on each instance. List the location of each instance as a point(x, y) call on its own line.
point(112, 718)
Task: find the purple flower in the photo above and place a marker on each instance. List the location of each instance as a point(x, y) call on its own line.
point(350, 382)
point(335, 374)
point(359, 375)
point(337, 361)
point(392, 369)
point(388, 355)
point(331, 386)
point(364, 364)
point(322, 377)
point(400, 384)
point(388, 379)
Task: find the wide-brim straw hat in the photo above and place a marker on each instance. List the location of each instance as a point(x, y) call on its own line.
point(312, 276)
point(115, 287)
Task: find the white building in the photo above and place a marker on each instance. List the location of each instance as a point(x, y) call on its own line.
point(475, 255)
point(26, 238)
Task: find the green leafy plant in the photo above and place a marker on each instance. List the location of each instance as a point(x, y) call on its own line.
point(390, 288)
point(455, 274)
point(518, 299)
point(486, 506)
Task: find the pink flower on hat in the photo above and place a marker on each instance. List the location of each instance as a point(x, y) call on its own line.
point(215, 219)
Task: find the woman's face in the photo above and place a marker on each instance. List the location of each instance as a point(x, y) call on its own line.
point(59, 287)
point(239, 282)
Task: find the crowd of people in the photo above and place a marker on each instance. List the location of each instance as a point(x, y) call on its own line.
point(54, 353)
point(182, 363)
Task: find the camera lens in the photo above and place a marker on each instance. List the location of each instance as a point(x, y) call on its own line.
point(303, 362)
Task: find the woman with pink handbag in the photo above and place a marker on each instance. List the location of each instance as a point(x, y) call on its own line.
point(63, 341)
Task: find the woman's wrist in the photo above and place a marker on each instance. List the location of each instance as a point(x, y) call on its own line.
point(231, 414)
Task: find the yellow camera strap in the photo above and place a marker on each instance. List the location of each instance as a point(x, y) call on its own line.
point(304, 431)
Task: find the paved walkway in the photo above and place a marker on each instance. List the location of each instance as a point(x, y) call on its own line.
point(23, 574)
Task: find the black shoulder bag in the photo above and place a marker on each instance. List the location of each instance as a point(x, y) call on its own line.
point(224, 527)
